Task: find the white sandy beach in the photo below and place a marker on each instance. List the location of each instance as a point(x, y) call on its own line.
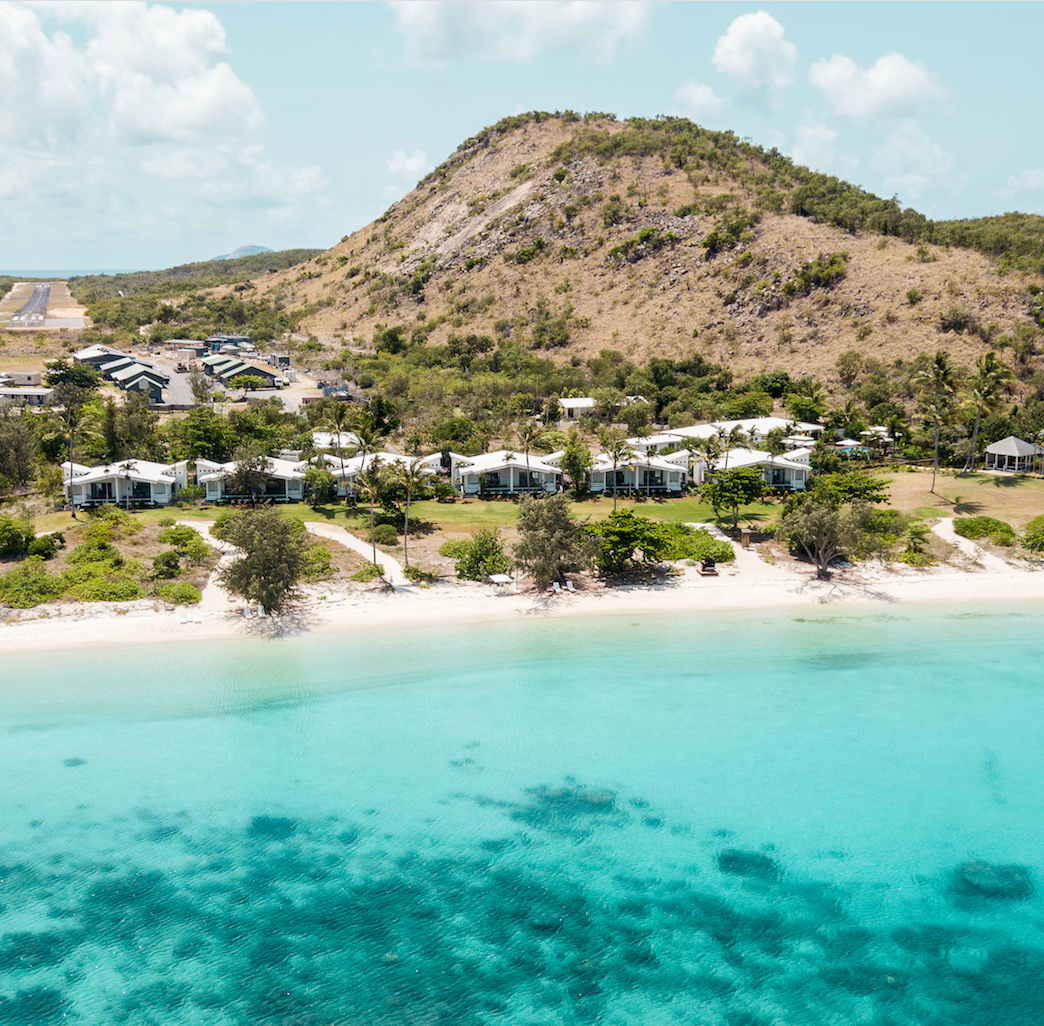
point(748, 583)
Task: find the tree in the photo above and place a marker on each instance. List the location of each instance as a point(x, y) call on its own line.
point(734, 488)
point(338, 418)
point(272, 561)
point(845, 486)
point(371, 483)
point(321, 483)
point(621, 536)
point(250, 472)
point(412, 476)
point(247, 382)
point(985, 391)
point(936, 383)
point(551, 543)
point(824, 532)
point(576, 462)
point(482, 556)
point(18, 446)
point(616, 449)
point(726, 441)
point(526, 435)
point(200, 384)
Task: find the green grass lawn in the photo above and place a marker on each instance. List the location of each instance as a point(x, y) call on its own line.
point(458, 517)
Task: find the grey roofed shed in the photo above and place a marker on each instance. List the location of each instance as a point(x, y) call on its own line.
point(1013, 454)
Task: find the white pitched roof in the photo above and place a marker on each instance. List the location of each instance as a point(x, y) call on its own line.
point(287, 470)
point(740, 458)
point(130, 470)
point(581, 403)
point(1012, 446)
point(502, 459)
point(636, 459)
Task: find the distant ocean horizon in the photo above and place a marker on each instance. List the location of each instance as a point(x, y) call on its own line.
point(69, 274)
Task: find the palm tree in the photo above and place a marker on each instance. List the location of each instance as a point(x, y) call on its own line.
point(615, 445)
point(411, 476)
point(936, 384)
point(371, 481)
point(526, 435)
point(338, 418)
point(984, 396)
point(709, 449)
point(367, 440)
point(728, 440)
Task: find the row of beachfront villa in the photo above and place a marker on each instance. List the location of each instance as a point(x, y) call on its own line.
point(136, 482)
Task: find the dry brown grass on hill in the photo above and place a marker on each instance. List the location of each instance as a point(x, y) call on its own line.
point(451, 235)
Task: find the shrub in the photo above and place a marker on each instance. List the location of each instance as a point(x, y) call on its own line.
point(317, 563)
point(102, 582)
point(997, 531)
point(684, 542)
point(914, 296)
point(385, 534)
point(482, 555)
point(15, 535)
point(166, 564)
point(29, 584)
point(419, 576)
point(454, 548)
point(223, 523)
point(166, 522)
point(94, 552)
point(180, 593)
point(1034, 540)
point(370, 572)
point(44, 547)
point(178, 536)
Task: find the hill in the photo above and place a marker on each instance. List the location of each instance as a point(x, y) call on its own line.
point(657, 238)
point(244, 251)
point(201, 275)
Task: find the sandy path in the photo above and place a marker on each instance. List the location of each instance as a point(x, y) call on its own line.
point(392, 569)
point(944, 529)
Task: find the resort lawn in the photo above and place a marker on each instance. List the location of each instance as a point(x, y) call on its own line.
point(1013, 498)
point(456, 517)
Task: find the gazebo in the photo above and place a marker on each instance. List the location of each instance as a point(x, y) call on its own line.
point(1013, 454)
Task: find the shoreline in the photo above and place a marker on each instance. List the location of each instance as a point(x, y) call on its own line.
point(327, 608)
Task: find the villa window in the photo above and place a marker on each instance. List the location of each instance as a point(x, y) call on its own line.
point(141, 490)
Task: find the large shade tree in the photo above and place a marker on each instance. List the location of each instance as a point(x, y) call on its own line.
point(272, 557)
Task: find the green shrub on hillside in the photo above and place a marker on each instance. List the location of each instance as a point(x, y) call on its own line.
point(15, 535)
point(683, 542)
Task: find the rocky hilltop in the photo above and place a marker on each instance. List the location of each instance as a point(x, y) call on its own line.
point(574, 235)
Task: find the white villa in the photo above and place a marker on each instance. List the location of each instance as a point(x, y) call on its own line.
point(778, 471)
point(354, 465)
point(505, 473)
point(755, 428)
point(639, 472)
point(285, 482)
point(132, 482)
point(573, 409)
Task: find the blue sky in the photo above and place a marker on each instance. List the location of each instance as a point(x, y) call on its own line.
point(146, 135)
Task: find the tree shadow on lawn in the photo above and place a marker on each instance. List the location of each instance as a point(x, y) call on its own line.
point(967, 509)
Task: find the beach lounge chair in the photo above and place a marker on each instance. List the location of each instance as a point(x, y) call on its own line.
point(247, 614)
point(183, 615)
point(556, 588)
point(261, 612)
point(569, 587)
point(197, 617)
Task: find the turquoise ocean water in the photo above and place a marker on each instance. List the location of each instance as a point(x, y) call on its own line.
point(770, 817)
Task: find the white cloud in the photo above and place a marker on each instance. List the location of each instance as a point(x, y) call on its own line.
point(513, 30)
point(699, 100)
point(911, 162)
point(1031, 180)
point(754, 54)
point(894, 87)
point(814, 145)
point(412, 168)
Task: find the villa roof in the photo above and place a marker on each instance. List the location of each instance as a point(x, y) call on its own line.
point(130, 470)
point(1012, 446)
point(502, 459)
